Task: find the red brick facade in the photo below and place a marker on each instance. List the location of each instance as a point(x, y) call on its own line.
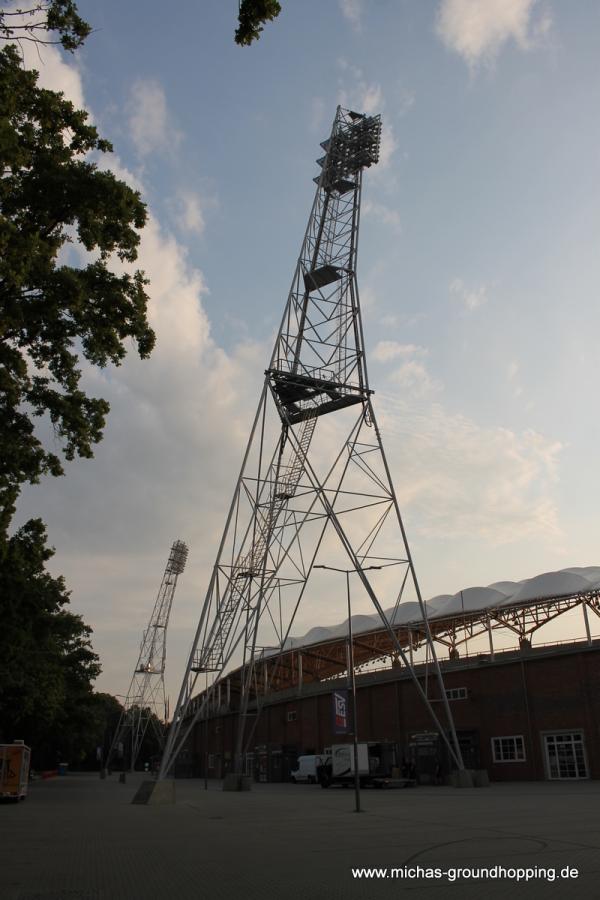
point(544, 704)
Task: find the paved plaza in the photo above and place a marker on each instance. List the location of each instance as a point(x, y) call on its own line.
point(81, 838)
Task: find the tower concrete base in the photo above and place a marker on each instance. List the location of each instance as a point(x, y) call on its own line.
point(234, 782)
point(156, 793)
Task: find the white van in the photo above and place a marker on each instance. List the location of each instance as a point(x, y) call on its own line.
point(307, 769)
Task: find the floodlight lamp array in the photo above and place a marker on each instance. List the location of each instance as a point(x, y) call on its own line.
point(178, 558)
point(353, 147)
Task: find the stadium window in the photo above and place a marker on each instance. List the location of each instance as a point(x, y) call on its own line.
point(509, 749)
point(292, 715)
point(211, 761)
point(565, 755)
point(457, 693)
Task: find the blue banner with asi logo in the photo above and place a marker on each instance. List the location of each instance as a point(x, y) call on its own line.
point(341, 712)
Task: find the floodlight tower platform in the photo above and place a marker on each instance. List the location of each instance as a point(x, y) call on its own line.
point(314, 480)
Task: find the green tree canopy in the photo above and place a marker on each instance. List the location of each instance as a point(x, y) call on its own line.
point(103, 715)
point(47, 664)
point(35, 21)
point(53, 313)
point(252, 16)
point(56, 209)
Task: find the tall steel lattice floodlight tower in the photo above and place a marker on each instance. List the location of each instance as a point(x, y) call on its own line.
point(314, 478)
point(146, 700)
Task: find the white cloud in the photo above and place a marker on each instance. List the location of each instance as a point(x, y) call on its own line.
point(164, 470)
point(368, 297)
point(471, 298)
point(478, 30)
point(176, 293)
point(151, 129)
point(352, 11)
point(172, 446)
point(191, 214)
point(406, 101)
point(464, 481)
point(389, 145)
point(542, 27)
point(371, 100)
point(512, 373)
point(413, 376)
point(386, 350)
point(317, 113)
point(383, 213)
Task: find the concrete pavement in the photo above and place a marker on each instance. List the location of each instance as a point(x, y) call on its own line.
point(81, 838)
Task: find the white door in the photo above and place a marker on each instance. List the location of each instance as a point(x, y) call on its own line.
point(565, 755)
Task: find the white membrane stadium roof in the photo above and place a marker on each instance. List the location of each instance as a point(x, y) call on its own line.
point(550, 585)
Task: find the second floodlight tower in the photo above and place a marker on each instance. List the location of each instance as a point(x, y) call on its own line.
point(146, 700)
point(314, 480)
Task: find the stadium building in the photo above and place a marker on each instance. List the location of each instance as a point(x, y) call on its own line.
point(524, 709)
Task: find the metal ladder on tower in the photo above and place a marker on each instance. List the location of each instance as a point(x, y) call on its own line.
point(212, 657)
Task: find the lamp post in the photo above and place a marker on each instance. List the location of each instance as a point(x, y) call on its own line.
point(347, 573)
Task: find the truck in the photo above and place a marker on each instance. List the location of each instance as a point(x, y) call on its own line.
point(14, 770)
point(377, 765)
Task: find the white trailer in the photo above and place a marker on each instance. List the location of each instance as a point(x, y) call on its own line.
point(342, 761)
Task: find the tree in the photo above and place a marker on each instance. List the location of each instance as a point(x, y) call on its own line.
point(52, 313)
point(151, 746)
point(37, 20)
point(252, 15)
point(47, 664)
point(105, 713)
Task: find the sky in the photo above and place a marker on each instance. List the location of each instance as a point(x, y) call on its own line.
point(478, 274)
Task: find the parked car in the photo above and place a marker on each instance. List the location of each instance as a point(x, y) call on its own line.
point(306, 770)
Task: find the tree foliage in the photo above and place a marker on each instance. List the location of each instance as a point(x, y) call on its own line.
point(35, 21)
point(150, 748)
point(47, 664)
point(65, 227)
point(102, 723)
point(252, 16)
point(52, 313)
